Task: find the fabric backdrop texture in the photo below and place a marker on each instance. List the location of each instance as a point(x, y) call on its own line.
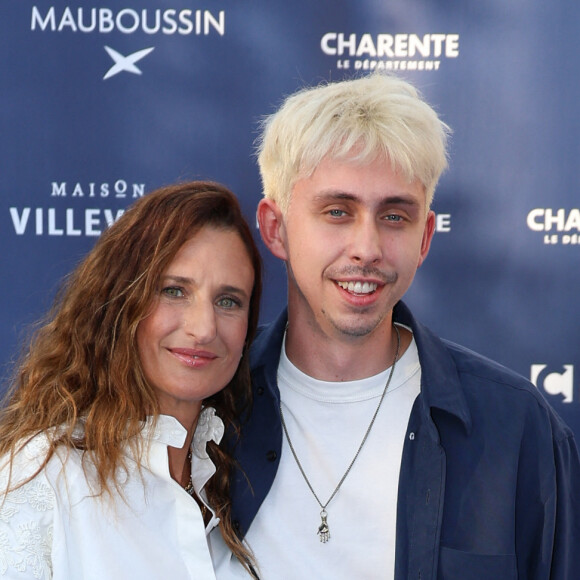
point(101, 104)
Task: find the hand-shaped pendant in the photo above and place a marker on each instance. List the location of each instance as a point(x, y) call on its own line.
point(323, 530)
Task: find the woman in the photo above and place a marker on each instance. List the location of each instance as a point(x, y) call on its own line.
point(105, 470)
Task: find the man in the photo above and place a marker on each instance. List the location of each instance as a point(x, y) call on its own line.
point(375, 449)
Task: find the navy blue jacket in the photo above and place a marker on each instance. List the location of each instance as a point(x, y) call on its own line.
point(490, 476)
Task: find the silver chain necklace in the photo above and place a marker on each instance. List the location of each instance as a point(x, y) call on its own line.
point(323, 529)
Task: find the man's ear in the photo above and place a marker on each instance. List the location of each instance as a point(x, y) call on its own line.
point(427, 236)
point(272, 228)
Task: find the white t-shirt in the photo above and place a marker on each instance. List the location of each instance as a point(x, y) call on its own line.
point(327, 422)
point(54, 527)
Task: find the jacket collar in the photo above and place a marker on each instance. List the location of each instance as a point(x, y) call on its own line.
point(267, 347)
point(440, 384)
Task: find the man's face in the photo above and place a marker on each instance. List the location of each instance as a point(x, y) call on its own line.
point(353, 238)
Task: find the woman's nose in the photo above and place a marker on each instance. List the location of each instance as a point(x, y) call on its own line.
point(199, 321)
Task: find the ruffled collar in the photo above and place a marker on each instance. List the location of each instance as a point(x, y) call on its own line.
point(209, 428)
point(169, 431)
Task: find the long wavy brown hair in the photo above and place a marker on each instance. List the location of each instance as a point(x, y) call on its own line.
point(82, 364)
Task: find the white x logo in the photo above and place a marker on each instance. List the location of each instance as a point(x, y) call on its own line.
point(125, 63)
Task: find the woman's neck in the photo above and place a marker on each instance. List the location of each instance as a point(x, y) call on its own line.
point(180, 458)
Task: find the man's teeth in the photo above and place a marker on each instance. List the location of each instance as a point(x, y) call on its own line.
point(358, 287)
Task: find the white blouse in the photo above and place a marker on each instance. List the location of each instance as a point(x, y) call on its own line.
point(54, 527)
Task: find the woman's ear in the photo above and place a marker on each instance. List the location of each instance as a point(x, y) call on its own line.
point(272, 228)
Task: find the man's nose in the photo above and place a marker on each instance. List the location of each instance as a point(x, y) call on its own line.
point(366, 245)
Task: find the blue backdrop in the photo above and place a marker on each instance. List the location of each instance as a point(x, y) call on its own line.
point(101, 104)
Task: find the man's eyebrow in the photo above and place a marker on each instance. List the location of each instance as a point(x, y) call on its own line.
point(337, 195)
point(399, 199)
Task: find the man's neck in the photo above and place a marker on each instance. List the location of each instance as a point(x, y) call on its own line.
point(336, 357)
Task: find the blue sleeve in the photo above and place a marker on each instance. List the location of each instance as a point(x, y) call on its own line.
point(566, 539)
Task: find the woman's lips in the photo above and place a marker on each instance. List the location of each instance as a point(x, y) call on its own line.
point(193, 357)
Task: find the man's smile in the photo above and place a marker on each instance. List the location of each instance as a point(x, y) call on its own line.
point(358, 287)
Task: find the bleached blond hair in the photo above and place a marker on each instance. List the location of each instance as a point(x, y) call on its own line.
point(355, 120)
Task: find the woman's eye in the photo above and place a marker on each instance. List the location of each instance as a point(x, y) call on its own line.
point(172, 291)
point(228, 302)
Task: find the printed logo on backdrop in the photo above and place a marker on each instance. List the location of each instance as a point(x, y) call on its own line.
point(127, 21)
point(443, 223)
point(557, 226)
point(554, 381)
point(410, 52)
point(67, 215)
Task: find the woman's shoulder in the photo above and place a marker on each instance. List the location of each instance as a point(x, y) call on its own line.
point(27, 469)
point(25, 460)
point(24, 497)
point(27, 505)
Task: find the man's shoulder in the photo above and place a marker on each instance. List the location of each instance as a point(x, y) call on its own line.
point(447, 365)
point(262, 328)
point(478, 366)
point(489, 384)
point(268, 341)
point(464, 382)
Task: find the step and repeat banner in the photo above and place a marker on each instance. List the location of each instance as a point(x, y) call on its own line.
point(101, 103)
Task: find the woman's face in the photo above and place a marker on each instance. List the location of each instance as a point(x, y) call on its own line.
point(191, 342)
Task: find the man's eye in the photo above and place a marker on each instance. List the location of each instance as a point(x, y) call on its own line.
point(337, 213)
point(172, 291)
point(393, 218)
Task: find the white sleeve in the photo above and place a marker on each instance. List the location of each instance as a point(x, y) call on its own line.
point(26, 526)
